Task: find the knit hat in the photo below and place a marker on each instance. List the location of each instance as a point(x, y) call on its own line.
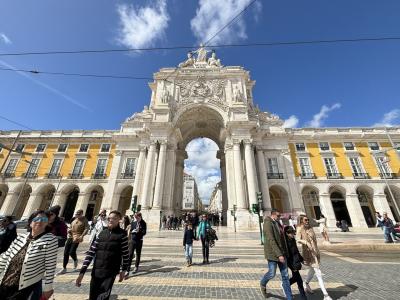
point(55, 209)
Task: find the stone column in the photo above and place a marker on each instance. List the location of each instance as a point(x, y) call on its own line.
point(224, 198)
point(112, 179)
point(237, 161)
point(327, 209)
point(252, 186)
point(355, 211)
point(82, 202)
point(381, 204)
point(139, 171)
point(145, 200)
point(33, 204)
point(263, 180)
point(160, 177)
point(294, 198)
point(170, 181)
point(9, 204)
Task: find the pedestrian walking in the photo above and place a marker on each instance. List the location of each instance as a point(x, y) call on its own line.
point(110, 252)
point(322, 228)
point(388, 227)
point(275, 251)
point(99, 226)
point(312, 258)
point(138, 231)
point(8, 233)
point(78, 229)
point(30, 259)
point(188, 238)
point(202, 235)
point(294, 260)
point(57, 226)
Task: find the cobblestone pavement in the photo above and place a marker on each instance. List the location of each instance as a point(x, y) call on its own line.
point(235, 268)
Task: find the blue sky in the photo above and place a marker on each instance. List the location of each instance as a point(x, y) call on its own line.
point(343, 84)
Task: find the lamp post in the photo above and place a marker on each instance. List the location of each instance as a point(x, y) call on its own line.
point(386, 161)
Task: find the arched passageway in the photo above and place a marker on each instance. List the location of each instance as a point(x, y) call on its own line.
point(396, 194)
point(3, 193)
point(21, 198)
point(365, 197)
point(339, 206)
point(279, 198)
point(95, 195)
point(310, 197)
point(125, 199)
point(71, 197)
point(45, 196)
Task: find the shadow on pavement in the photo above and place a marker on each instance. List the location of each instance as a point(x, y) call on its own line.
point(149, 269)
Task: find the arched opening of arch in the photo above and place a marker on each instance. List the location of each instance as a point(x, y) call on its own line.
point(22, 197)
point(3, 193)
point(279, 198)
point(125, 199)
point(365, 197)
point(337, 196)
point(94, 204)
point(45, 196)
point(310, 197)
point(396, 194)
point(70, 197)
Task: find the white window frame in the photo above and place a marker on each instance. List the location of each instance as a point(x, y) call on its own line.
point(369, 146)
point(66, 149)
point(305, 147)
point(44, 149)
point(23, 148)
point(324, 150)
point(270, 167)
point(29, 171)
point(334, 165)
point(386, 165)
point(83, 167)
point(309, 166)
point(15, 166)
point(344, 146)
point(126, 163)
point(105, 167)
point(360, 165)
point(109, 150)
point(87, 151)
point(59, 169)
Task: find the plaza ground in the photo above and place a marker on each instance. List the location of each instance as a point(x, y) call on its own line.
point(236, 265)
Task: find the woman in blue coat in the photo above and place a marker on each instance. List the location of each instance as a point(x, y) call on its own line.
point(202, 234)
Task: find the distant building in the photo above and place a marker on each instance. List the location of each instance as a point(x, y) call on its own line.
point(191, 199)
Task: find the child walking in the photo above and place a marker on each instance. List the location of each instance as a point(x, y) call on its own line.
point(188, 238)
point(294, 261)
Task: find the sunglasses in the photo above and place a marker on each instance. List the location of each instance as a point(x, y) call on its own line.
point(306, 220)
point(40, 219)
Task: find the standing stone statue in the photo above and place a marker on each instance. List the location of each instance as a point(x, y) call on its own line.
point(201, 54)
point(237, 95)
point(213, 61)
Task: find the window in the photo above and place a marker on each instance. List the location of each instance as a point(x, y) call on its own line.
point(130, 166)
point(105, 148)
point(40, 147)
point(78, 167)
point(348, 146)
point(383, 165)
point(84, 148)
point(305, 167)
point(55, 168)
point(62, 147)
point(101, 166)
point(373, 145)
point(33, 166)
point(396, 146)
point(20, 147)
point(11, 166)
point(273, 165)
point(330, 166)
point(300, 147)
point(356, 166)
point(324, 146)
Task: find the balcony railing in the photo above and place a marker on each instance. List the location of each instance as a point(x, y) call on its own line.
point(275, 175)
point(29, 175)
point(99, 176)
point(128, 175)
point(361, 176)
point(388, 175)
point(334, 175)
point(53, 175)
point(308, 176)
point(75, 176)
point(8, 174)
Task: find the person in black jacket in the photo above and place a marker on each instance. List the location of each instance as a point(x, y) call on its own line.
point(8, 233)
point(294, 260)
point(110, 253)
point(138, 231)
point(188, 238)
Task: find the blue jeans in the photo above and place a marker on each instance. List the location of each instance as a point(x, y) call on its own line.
point(189, 252)
point(284, 274)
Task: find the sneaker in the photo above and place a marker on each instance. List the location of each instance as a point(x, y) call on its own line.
point(307, 288)
point(327, 297)
point(75, 264)
point(263, 290)
point(136, 269)
point(62, 271)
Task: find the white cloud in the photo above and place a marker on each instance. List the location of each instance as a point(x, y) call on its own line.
point(291, 122)
point(203, 165)
point(142, 26)
point(318, 119)
point(5, 39)
point(389, 119)
point(212, 15)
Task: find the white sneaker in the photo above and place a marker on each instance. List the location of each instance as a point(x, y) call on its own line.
point(307, 288)
point(75, 264)
point(327, 297)
point(62, 271)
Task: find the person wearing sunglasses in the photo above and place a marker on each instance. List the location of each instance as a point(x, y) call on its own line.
point(311, 255)
point(111, 257)
point(31, 259)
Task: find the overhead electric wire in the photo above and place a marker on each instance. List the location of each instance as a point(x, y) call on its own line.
point(259, 44)
point(16, 123)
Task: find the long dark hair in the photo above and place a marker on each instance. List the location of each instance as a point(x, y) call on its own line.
point(127, 221)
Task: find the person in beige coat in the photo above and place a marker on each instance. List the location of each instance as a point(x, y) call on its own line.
point(307, 239)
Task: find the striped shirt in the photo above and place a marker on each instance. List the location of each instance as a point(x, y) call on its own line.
point(39, 263)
